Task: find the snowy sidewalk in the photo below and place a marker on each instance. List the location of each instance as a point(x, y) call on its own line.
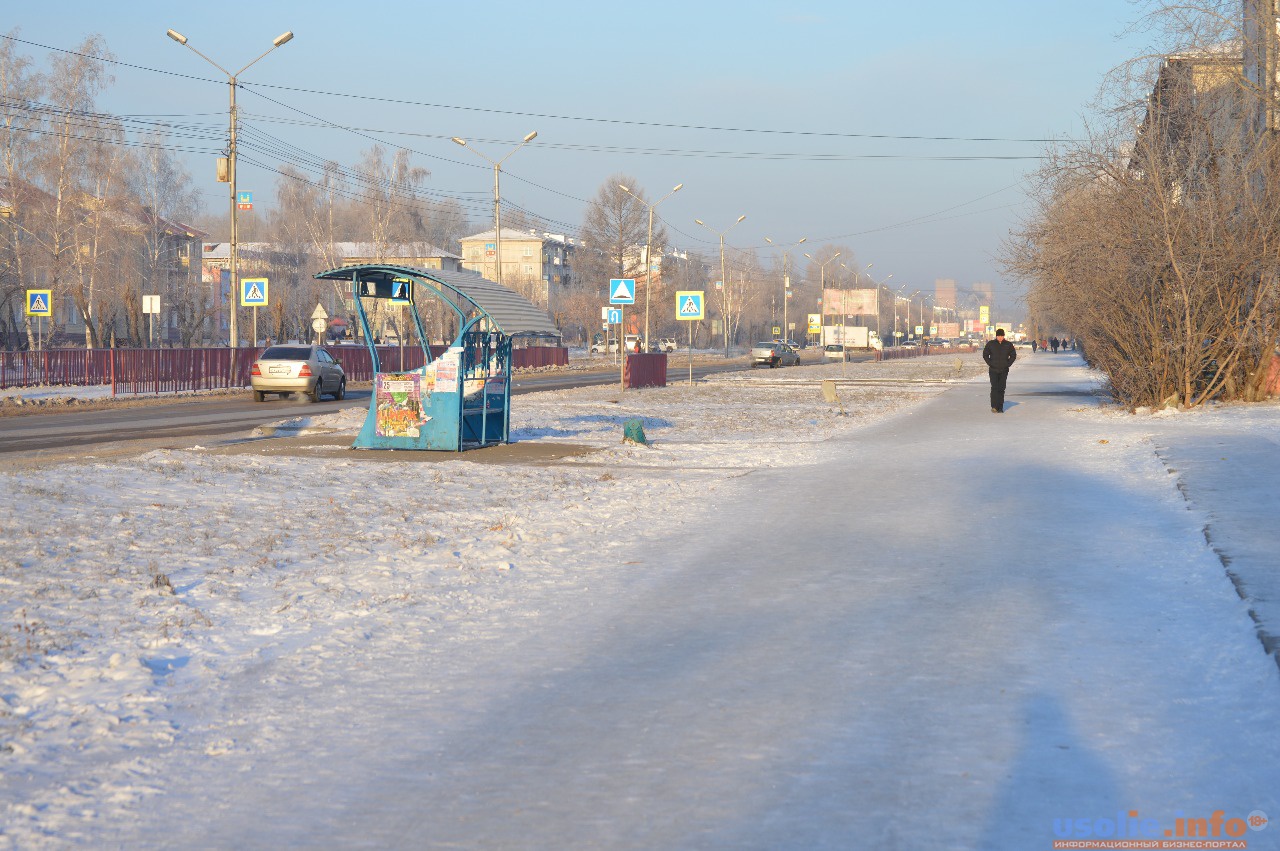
point(956, 630)
point(936, 628)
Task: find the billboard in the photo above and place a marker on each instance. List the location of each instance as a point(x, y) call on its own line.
point(848, 302)
point(948, 330)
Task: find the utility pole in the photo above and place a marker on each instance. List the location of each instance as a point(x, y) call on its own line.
point(232, 80)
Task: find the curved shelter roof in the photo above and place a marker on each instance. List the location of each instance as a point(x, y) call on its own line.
point(511, 313)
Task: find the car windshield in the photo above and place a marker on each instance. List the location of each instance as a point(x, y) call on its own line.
point(765, 345)
point(286, 353)
point(833, 348)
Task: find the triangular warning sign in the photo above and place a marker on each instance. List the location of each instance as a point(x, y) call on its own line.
point(38, 304)
point(622, 291)
point(690, 307)
point(254, 294)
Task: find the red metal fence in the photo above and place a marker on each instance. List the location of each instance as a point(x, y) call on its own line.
point(899, 352)
point(140, 371)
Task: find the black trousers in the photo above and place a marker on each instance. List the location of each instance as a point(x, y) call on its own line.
point(998, 380)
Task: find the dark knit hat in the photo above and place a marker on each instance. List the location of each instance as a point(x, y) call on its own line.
point(999, 332)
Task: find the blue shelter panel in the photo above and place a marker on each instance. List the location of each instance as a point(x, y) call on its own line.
point(462, 398)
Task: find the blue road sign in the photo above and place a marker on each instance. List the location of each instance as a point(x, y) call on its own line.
point(40, 302)
point(253, 292)
point(622, 291)
point(615, 316)
point(690, 305)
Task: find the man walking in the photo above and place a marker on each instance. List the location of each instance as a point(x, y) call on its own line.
point(999, 355)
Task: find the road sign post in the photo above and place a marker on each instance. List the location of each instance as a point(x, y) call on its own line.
point(253, 292)
point(40, 305)
point(319, 320)
point(151, 306)
point(691, 306)
point(622, 291)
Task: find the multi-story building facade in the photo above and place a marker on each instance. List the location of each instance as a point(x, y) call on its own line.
point(538, 266)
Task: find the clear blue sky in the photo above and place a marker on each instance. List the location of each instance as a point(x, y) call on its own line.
point(632, 83)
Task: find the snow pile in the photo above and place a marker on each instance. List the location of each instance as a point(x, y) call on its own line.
point(133, 589)
point(187, 631)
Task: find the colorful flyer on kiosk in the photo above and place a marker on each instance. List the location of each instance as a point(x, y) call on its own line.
point(399, 400)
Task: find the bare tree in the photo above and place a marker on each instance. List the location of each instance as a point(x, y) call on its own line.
point(20, 89)
point(63, 154)
point(614, 231)
point(1153, 241)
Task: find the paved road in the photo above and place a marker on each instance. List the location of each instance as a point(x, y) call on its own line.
point(163, 421)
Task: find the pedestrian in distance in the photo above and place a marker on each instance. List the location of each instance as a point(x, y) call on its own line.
point(1053, 344)
point(1033, 347)
point(999, 355)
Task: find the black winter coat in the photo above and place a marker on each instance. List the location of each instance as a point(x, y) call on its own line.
point(999, 355)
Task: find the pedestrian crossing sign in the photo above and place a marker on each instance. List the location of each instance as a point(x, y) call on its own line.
point(622, 291)
point(40, 302)
point(253, 292)
point(690, 304)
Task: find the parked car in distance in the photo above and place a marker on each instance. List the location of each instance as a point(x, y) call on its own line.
point(668, 345)
point(297, 368)
point(773, 354)
point(833, 351)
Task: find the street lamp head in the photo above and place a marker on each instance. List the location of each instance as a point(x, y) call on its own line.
point(678, 187)
point(740, 218)
point(802, 239)
point(700, 222)
point(176, 36)
point(283, 38)
point(624, 189)
point(834, 256)
point(530, 137)
point(810, 256)
point(457, 141)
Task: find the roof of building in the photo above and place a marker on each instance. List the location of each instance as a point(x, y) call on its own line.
point(513, 314)
point(514, 236)
point(344, 250)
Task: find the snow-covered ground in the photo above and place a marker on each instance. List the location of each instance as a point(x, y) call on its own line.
point(917, 625)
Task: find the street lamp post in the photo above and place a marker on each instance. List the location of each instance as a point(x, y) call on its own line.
point(497, 216)
point(724, 283)
point(822, 278)
point(786, 282)
point(897, 295)
point(234, 330)
point(648, 252)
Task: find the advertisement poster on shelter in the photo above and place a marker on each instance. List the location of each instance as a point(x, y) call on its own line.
point(399, 400)
point(447, 373)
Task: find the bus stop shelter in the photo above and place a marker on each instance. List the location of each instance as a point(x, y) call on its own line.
point(461, 399)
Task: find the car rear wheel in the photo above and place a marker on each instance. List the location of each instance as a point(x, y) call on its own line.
point(316, 391)
point(259, 396)
point(342, 390)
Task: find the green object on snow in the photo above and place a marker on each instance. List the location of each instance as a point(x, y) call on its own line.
point(633, 430)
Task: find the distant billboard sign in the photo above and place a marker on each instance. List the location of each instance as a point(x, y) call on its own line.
point(848, 302)
point(948, 329)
